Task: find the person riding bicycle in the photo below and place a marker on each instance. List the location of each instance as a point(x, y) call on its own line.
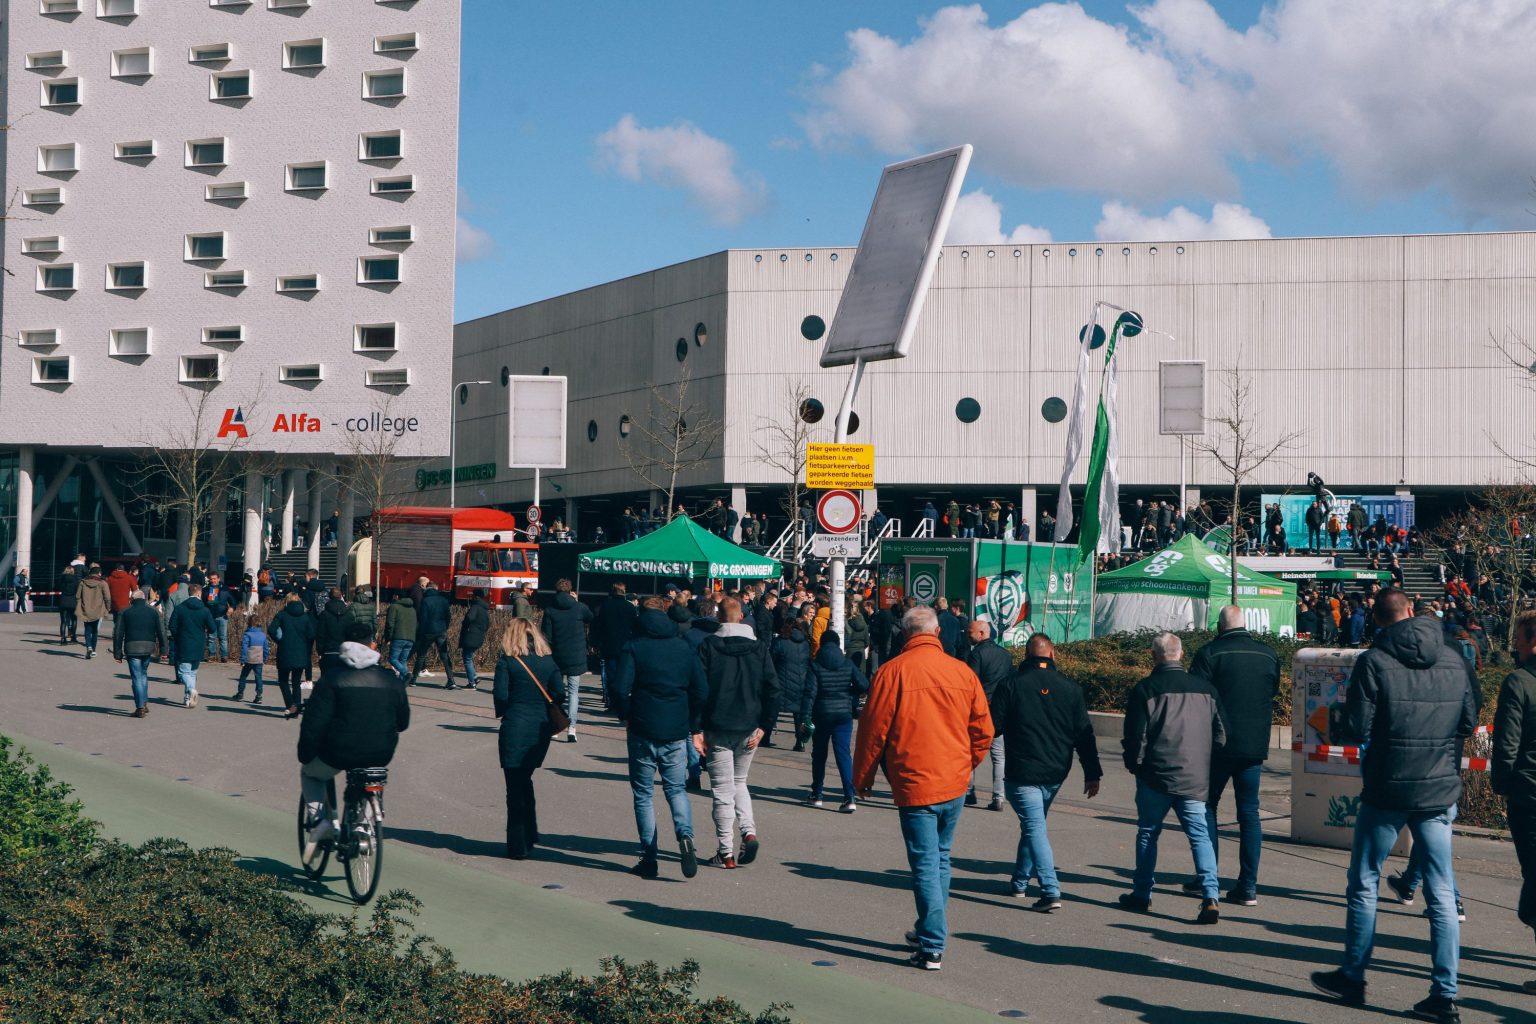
point(354, 720)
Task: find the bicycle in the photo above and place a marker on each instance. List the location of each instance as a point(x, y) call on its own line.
point(359, 844)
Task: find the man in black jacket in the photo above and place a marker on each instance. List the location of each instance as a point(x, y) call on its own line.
point(432, 615)
point(354, 720)
point(992, 665)
point(1043, 718)
point(472, 629)
point(1172, 726)
point(612, 628)
point(565, 627)
point(1514, 762)
point(659, 693)
point(1246, 675)
point(742, 704)
point(1411, 707)
point(135, 638)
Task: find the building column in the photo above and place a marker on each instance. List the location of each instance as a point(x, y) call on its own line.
point(570, 517)
point(183, 533)
point(344, 531)
point(251, 508)
point(316, 483)
point(657, 497)
point(290, 485)
point(26, 473)
point(218, 533)
point(1028, 500)
point(739, 503)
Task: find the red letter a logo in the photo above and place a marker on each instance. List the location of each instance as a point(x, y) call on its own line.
point(233, 424)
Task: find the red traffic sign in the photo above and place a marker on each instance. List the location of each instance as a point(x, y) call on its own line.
point(533, 513)
point(838, 511)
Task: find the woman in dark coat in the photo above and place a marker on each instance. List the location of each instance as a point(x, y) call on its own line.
point(831, 691)
point(523, 707)
point(294, 631)
point(792, 658)
point(472, 630)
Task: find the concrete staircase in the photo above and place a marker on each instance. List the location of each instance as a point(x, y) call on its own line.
point(297, 561)
point(1421, 573)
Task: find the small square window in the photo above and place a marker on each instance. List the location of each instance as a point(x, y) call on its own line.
point(387, 378)
point(384, 85)
point(376, 338)
point(128, 341)
point(301, 372)
point(143, 149)
point(378, 269)
point(388, 145)
point(46, 60)
point(229, 85)
point(201, 369)
point(224, 279)
point(59, 6)
point(304, 53)
point(41, 337)
point(125, 276)
point(59, 277)
point(404, 183)
point(116, 8)
point(299, 283)
point(305, 177)
point(42, 245)
point(43, 197)
point(226, 190)
point(53, 369)
point(280, 4)
point(209, 246)
point(57, 159)
point(206, 153)
point(223, 335)
point(402, 233)
point(61, 92)
point(405, 42)
point(208, 53)
point(229, 3)
point(134, 63)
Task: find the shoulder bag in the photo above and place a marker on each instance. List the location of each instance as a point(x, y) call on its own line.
point(558, 721)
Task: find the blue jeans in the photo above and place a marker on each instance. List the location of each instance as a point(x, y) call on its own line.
point(218, 639)
point(646, 758)
point(1413, 874)
point(838, 736)
point(1152, 806)
point(1375, 832)
point(138, 678)
point(92, 629)
point(1034, 859)
point(187, 673)
point(929, 832)
point(400, 657)
point(467, 655)
point(610, 673)
point(1245, 791)
point(573, 698)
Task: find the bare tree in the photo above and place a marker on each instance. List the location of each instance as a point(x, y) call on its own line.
point(780, 442)
point(1493, 529)
point(374, 472)
point(677, 433)
point(1240, 448)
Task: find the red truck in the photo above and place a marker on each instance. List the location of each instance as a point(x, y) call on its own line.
point(459, 549)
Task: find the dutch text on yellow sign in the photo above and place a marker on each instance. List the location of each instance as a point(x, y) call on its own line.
point(850, 466)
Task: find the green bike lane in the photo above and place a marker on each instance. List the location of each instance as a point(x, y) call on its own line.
point(491, 924)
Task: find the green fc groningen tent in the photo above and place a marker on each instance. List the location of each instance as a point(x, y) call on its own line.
point(683, 549)
point(1184, 586)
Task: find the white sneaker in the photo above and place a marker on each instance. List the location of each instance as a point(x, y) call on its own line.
point(315, 836)
point(427, 675)
point(570, 736)
point(848, 807)
point(192, 700)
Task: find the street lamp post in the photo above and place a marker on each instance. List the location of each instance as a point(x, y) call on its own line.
point(453, 434)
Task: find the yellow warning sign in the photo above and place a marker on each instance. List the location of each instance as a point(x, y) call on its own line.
point(829, 466)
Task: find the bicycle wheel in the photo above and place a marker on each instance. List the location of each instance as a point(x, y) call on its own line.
point(315, 869)
point(365, 848)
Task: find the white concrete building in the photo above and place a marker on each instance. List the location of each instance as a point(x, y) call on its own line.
point(224, 212)
point(1378, 348)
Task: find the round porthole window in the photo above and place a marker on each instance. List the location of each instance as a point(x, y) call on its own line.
point(1180, 250)
point(812, 328)
point(1153, 250)
point(700, 334)
point(758, 258)
point(853, 422)
point(991, 253)
point(682, 349)
point(811, 410)
point(463, 394)
point(1017, 253)
point(808, 257)
point(1053, 409)
point(968, 410)
point(833, 257)
point(624, 426)
point(591, 430)
point(1099, 251)
point(506, 375)
point(1126, 251)
point(965, 254)
point(1071, 252)
point(545, 371)
point(783, 257)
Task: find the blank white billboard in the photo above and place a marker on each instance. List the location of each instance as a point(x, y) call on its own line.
point(536, 422)
point(1181, 396)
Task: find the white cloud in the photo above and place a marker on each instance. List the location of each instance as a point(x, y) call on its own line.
point(683, 156)
point(1397, 98)
point(978, 220)
point(470, 243)
point(1122, 223)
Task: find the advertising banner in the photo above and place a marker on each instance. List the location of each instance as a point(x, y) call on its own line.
point(1396, 508)
point(1030, 588)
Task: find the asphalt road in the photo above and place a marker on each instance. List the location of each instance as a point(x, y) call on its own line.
point(816, 922)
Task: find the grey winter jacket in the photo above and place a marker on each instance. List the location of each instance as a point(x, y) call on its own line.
point(1171, 727)
point(1410, 706)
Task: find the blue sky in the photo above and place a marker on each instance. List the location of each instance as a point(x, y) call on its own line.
point(603, 139)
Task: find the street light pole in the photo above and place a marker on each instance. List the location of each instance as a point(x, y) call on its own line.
point(453, 436)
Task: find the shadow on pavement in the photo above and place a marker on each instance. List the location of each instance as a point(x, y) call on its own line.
point(466, 728)
point(292, 876)
point(274, 712)
point(764, 929)
point(462, 845)
point(64, 654)
point(574, 773)
point(1152, 1014)
point(117, 712)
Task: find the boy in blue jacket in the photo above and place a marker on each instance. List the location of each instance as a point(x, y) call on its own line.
point(253, 655)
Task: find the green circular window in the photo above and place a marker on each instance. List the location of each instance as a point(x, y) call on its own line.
point(811, 410)
point(506, 375)
point(591, 430)
point(812, 328)
point(1054, 410)
point(853, 422)
point(682, 349)
point(968, 410)
point(463, 394)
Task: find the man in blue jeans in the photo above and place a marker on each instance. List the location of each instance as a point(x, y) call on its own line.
point(1245, 674)
point(1172, 726)
point(1042, 718)
point(1410, 707)
point(659, 691)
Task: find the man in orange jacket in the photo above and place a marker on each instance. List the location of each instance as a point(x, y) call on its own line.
point(928, 726)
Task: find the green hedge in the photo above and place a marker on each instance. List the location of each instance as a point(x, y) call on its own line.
point(37, 818)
